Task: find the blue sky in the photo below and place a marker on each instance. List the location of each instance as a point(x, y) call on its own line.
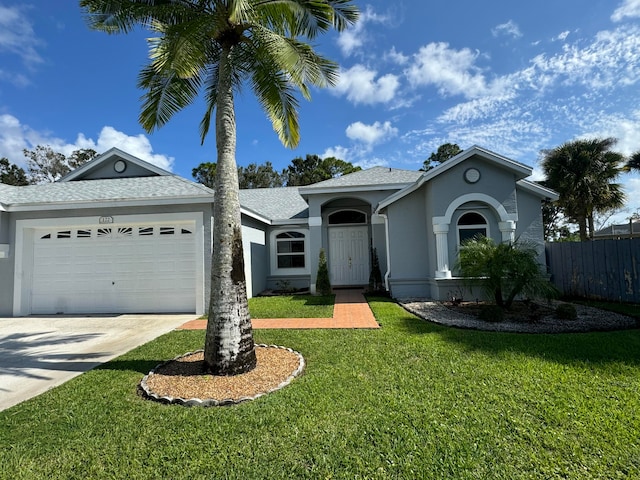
point(513, 77)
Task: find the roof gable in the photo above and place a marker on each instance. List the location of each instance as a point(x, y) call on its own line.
point(114, 163)
point(520, 170)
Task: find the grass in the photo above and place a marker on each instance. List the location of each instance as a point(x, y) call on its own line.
point(630, 309)
point(292, 306)
point(411, 400)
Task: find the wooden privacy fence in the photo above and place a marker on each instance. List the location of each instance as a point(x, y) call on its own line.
point(599, 269)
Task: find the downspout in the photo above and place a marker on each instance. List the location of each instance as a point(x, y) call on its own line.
point(386, 241)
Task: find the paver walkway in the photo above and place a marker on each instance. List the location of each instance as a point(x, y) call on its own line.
point(351, 310)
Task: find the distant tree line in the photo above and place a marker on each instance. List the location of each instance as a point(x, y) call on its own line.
point(301, 171)
point(43, 165)
point(46, 165)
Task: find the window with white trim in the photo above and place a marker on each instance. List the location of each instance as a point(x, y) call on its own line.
point(470, 225)
point(290, 250)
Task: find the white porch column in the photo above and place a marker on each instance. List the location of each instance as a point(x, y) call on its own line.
point(441, 230)
point(508, 230)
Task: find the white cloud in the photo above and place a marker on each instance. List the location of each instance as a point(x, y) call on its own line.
point(396, 57)
point(360, 85)
point(563, 36)
point(368, 162)
point(509, 28)
point(371, 134)
point(15, 137)
point(613, 58)
point(17, 36)
point(137, 145)
point(629, 8)
point(339, 152)
point(452, 71)
point(352, 39)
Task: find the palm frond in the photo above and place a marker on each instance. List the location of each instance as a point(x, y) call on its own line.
point(167, 94)
point(123, 16)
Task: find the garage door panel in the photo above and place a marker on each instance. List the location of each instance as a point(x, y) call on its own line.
point(114, 270)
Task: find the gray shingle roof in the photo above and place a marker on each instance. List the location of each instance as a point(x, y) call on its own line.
point(376, 176)
point(137, 188)
point(275, 203)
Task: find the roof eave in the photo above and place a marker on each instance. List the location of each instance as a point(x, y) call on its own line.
point(538, 190)
point(49, 206)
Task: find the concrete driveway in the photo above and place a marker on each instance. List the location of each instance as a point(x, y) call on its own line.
point(41, 352)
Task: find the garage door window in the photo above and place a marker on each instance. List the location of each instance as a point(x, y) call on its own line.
point(115, 232)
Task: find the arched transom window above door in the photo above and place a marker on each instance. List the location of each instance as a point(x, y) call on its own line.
point(347, 217)
point(470, 225)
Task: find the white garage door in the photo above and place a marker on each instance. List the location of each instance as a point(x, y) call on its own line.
point(114, 269)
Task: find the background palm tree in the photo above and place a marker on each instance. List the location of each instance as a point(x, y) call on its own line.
point(217, 47)
point(583, 172)
point(633, 163)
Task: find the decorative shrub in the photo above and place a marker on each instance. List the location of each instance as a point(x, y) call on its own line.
point(566, 311)
point(504, 270)
point(323, 284)
point(491, 313)
point(375, 277)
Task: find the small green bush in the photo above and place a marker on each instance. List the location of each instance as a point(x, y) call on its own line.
point(491, 313)
point(566, 311)
point(323, 284)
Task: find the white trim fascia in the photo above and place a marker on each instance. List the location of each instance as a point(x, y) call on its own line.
point(352, 188)
point(256, 216)
point(291, 221)
point(114, 151)
point(538, 189)
point(36, 207)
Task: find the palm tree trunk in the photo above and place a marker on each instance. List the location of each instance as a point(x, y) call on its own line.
point(229, 347)
point(582, 228)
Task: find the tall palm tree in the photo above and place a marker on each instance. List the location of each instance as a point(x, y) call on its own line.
point(633, 163)
point(583, 172)
point(217, 47)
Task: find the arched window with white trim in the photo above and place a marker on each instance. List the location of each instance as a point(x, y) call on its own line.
point(470, 225)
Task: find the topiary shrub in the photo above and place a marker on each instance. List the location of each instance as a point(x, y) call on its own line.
point(375, 277)
point(323, 284)
point(491, 313)
point(566, 311)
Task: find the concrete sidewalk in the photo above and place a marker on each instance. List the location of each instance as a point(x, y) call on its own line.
point(40, 352)
point(351, 310)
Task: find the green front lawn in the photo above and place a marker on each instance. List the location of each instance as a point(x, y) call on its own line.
point(411, 400)
point(292, 306)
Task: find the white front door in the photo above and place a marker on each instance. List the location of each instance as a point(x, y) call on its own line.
point(349, 255)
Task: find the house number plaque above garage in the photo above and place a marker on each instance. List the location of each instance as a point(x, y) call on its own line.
point(105, 220)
